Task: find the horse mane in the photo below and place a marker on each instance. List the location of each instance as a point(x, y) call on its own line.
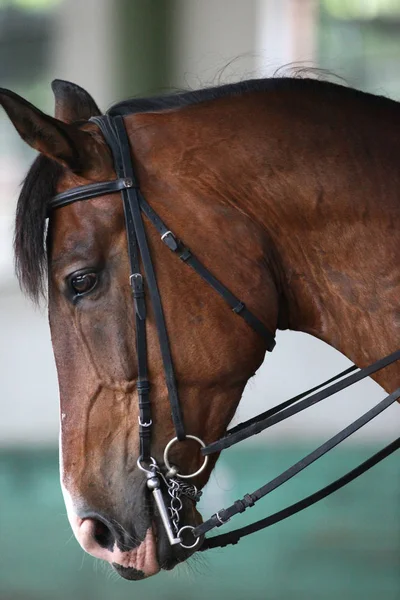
point(41, 181)
point(184, 98)
point(38, 187)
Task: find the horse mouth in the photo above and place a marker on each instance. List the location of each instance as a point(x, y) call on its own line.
point(156, 553)
point(136, 552)
point(174, 558)
point(129, 573)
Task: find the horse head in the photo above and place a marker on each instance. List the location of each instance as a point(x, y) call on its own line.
point(84, 250)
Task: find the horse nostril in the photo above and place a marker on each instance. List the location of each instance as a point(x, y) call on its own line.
point(98, 532)
point(103, 535)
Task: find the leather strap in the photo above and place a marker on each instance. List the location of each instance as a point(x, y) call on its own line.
point(133, 197)
point(137, 286)
point(276, 409)
point(224, 515)
point(86, 192)
point(286, 409)
point(115, 134)
point(143, 385)
point(183, 252)
point(233, 537)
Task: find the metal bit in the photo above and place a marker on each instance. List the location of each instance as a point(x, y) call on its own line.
point(153, 483)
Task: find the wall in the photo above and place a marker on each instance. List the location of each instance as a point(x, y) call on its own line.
point(160, 45)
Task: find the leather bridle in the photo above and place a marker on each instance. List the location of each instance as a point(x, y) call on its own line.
point(113, 129)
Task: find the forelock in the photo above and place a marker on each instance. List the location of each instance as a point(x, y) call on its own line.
point(38, 188)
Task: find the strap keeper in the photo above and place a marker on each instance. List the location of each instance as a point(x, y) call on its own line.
point(238, 308)
point(240, 506)
point(144, 405)
point(170, 240)
point(145, 430)
point(185, 254)
point(248, 500)
point(143, 386)
point(136, 281)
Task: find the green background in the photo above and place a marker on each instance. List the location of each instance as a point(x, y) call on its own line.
point(347, 547)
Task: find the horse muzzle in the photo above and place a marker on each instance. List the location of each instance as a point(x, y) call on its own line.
point(141, 537)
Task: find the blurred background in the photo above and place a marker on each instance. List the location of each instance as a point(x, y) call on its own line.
point(349, 544)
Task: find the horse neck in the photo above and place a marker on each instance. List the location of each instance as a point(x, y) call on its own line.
point(321, 181)
point(329, 206)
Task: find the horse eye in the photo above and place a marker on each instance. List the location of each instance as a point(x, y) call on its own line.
point(83, 284)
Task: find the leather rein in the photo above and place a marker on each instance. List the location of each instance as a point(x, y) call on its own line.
point(113, 129)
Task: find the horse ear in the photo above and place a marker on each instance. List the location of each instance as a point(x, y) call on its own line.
point(63, 142)
point(73, 103)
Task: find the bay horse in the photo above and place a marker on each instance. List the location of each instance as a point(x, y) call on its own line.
point(288, 192)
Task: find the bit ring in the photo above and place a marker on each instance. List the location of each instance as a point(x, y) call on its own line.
point(183, 529)
point(168, 464)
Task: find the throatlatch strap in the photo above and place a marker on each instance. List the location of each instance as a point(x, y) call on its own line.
point(176, 246)
point(224, 515)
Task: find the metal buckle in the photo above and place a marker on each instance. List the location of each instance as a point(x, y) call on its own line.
point(136, 281)
point(222, 521)
point(238, 308)
point(170, 240)
point(149, 424)
point(168, 464)
point(164, 235)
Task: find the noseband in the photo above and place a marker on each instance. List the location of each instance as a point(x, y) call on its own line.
point(135, 206)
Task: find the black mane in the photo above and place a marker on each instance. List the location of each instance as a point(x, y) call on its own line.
point(189, 97)
point(186, 98)
point(39, 186)
point(41, 181)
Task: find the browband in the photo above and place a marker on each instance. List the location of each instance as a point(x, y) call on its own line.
point(86, 192)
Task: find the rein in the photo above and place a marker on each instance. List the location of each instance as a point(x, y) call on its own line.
point(135, 205)
point(280, 413)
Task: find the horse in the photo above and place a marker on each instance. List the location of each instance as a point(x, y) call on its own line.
point(287, 191)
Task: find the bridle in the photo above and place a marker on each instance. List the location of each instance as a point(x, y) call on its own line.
point(113, 129)
point(114, 132)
